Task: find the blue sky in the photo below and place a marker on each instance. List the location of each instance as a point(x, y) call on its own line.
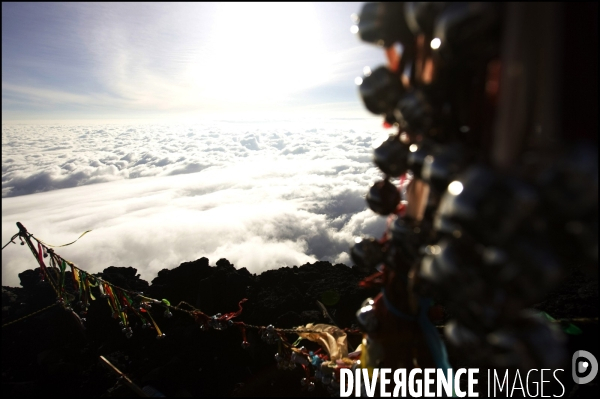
point(181, 61)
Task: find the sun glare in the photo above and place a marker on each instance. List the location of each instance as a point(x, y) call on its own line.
point(261, 51)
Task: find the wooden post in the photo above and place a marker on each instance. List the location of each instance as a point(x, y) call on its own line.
point(123, 377)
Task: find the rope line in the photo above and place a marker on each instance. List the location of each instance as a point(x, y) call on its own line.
point(11, 240)
point(64, 245)
point(29, 315)
point(195, 312)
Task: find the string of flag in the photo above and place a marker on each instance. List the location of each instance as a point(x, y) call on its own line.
point(322, 365)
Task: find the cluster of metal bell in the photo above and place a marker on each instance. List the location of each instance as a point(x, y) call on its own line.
point(329, 380)
point(214, 322)
point(500, 252)
point(366, 316)
point(331, 383)
point(490, 245)
point(367, 253)
point(283, 363)
point(128, 331)
point(65, 304)
point(526, 343)
point(269, 335)
point(307, 384)
point(83, 308)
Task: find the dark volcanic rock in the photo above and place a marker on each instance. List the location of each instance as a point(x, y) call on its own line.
point(124, 277)
point(41, 351)
point(181, 283)
point(188, 361)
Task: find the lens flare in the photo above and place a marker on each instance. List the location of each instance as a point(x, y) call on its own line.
point(455, 187)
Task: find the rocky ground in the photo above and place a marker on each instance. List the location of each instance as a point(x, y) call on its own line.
point(50, 355)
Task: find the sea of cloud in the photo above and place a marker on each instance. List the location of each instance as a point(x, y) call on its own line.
point(263, 195)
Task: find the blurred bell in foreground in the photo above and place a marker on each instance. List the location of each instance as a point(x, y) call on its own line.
point(384, 24)
point(421, 16)
point(380, 91)
point(367, 253)
point(383, 197)
point(392, 157)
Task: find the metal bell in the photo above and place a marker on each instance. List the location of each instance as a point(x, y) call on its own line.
point(392, 157)
point(367, 253)
point(468, 341)
point(416, 159)
point(414, 113)
point(442, 166)
point(403, 250)
point(168, 314)
point(383, 197)
point(366, 316)
point(460, 336)
point(453, 269)
point(468, 31)
point(221, 325)
point(381, 91)
point(487, 206)
point(245, 344)
point(384, 24)
point(530, 342)
point(421, 15)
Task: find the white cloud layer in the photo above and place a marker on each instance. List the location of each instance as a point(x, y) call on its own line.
point(261, 195)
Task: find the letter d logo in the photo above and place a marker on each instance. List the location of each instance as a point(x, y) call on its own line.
point(582, 366)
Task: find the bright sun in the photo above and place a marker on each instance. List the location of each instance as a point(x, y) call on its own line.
point(261, 52)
